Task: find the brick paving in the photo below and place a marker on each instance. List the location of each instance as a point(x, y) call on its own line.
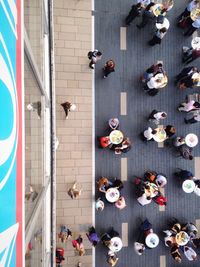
point(73, 83)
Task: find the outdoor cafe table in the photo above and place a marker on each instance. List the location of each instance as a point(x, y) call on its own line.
point(115, 244)
point(112, 194)
point(182, 238)
point(116, 137)
point(160, 135)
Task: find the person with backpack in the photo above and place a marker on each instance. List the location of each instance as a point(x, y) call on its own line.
point(94, 57)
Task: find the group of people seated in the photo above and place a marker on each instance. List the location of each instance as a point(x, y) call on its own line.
point(115, 139)
point(148, 188)
point(105, 185)
point(159, 134)
point(181, 238)
point(154, 78)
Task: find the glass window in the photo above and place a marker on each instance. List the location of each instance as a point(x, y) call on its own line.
point(33, 20)
point(34, 140)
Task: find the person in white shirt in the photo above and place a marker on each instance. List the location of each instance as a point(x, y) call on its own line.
point(189, 106)
point(139, 248)
point(155, 116)
point(96, 56)
point(148, 134)
point(161, 180)
point(190, 254)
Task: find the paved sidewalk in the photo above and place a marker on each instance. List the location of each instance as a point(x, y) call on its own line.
point(72, 25)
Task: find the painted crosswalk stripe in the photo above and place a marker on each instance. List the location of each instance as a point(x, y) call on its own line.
point(160, 144)
point(123, 101)
point(197, 166)
point(197, 223)
point(123, 38)
point(124, 169)
point(163, 261)
point(125, 234)
point(162, 191)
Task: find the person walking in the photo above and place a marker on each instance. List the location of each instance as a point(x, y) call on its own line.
point(94, 56)
point(146, 16)
point(78, 245)
point(194, 119)
point(108, 68)
point(134, 12)
point(187, 71)
point(155, 116)
point(194, 26)
point(74, 192)
point(92, 236)
point(158, 36)
point(67, 106)
point(189, 106)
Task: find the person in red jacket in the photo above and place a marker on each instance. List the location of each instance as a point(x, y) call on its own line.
point(108, 68)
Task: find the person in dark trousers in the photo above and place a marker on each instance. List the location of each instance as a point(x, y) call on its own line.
point(190, 55)
point(67, 106)
point(108, 68)
point(184, 174)
point(92, 236)
point(194, 119)
point(134, 12)
point(158, 36)
point(146, 16)
point(95, 57)
point(170, 130)
point(185, 152)
point(193, 26)
point(188, 71)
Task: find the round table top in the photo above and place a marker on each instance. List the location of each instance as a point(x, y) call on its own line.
point(157, 9)
point(195, 14)
point(182, 238)
point(160, 136)
point(115, 244)
point(152, 191)
point(112, 194)
point(195, 43)
point(165, 24)
point(191, 140)
point(152, 240)
point(163, 78)
point(188, 186)
point(116, 137)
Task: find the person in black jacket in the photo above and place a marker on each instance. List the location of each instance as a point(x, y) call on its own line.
point(134, 12)
point(146, 16)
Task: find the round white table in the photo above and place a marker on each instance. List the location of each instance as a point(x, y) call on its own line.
point(112, 194)
point(182, 238)
point(195, 43)
point(152, 240)
point(165, 24)
point(191, 140)
point(160, 136)
point(116, 137)
point(188, 186)
point(115, 244)
point(153, 191)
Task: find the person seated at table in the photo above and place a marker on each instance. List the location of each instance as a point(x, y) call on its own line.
point(192, 27)
point(105, 141)
point(152, 71)
point(146, 227)
point(196, 242)
point(178, 141)
point(187, 82)
point(113, 123)
point(159, 199)
point(190, 229)
point(189, 253)
point(170, 241)
point(139, 248)
point(190, 7)
point(120, 203)
point(146, 16)
point(197, 186)
point(112, 233)
point(189, 106)
point(168, 5)
point(154, 84)
point(118, 184)
point(190, 55)
point(185, 152)
point(103, 184)
point(158, 36)
point(184, 174)
point(161, 180)
point(144, 199)
point(176, 228)
point(112, 258)
point(92, 236)
point(150, 176)
point(134, 12)
point(106, 239)
point(148, 134)
point(124, 147)
point(99, 205)
point(170, 130)
point(176, 254)
point(187, 71)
